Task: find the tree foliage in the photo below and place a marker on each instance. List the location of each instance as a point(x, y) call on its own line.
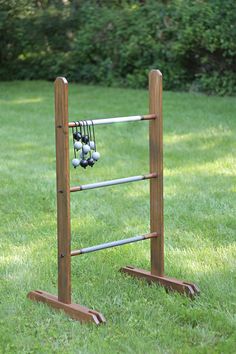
point(116, 42)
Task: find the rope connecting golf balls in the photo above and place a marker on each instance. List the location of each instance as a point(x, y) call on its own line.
point(84, 143)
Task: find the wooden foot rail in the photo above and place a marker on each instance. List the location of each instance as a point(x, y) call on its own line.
point(77, 312)
point(170, 284)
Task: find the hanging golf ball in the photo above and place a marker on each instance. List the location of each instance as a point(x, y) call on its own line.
point(86, 148)
point(78, 145)
point(85, 139)
point(75, 162)
point(77, 135)
point(84, 143)
point(92, 145)
point(91, 161)
point(96, 155)
point(84, 163)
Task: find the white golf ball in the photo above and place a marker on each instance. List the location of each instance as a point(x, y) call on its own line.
point(86, 149)
point(77, 145)
point(96, 155)
point(92, 145)
point(75, 162)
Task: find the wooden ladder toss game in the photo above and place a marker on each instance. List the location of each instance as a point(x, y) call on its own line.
point(156, 235)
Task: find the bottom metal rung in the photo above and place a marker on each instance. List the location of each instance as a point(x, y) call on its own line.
point(102, 246)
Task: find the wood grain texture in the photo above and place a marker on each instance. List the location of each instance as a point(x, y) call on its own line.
point(77, 312)
point(156, 198)
point(172, 284)
point(156, 166)
point(63, 190)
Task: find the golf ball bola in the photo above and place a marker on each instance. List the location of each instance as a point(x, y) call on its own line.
point(85, 139)
point(77, 145)
point(91, 161)
point(86, 149)
point(96, 155)
point(84, 163)
point(92, 145)
point(75, 162)
point(77, 136)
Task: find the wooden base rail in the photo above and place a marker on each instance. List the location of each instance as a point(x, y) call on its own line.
point(103, 246)
point(77, 312)
point(156, 274)
point(111, 120)
point(170, 284)
point(112, 182)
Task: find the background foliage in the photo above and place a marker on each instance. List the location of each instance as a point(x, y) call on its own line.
point(117, 42)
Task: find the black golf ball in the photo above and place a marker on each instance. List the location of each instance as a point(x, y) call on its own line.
point(91, 161)
point(77, 136)
point(84, 163)
point(85, 139)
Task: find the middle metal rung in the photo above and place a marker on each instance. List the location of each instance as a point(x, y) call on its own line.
point(102, 246)
point(112, 182)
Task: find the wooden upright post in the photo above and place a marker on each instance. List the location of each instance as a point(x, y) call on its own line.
point(63, 190)
point(156, 166)
point(63, 300)
point(156, 198)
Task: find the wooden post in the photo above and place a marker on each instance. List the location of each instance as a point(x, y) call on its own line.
point(63, 190)
point(156, 166)
point(63, 300)
point(156, 198)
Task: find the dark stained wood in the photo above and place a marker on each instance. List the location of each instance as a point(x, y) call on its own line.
point(77, 312)
point(156, 166)
point(149, 117)
point(63, 190)
point(156, 198)
point(63, 301)
point(172, 284)
point(150, 175)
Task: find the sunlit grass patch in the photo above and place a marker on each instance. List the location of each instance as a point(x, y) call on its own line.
point(200, 227)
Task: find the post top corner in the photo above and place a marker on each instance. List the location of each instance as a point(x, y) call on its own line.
point(61, 79)
point(155, 72)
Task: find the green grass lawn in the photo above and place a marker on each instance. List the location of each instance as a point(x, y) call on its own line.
point(200, 226)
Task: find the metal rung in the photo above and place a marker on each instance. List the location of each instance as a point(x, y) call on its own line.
point(111, 120)
point(102, 246)
point(112, 182)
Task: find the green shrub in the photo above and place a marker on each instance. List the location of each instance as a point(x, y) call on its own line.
point(117, 42)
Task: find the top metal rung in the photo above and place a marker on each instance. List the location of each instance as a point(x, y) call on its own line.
point(111, 120)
